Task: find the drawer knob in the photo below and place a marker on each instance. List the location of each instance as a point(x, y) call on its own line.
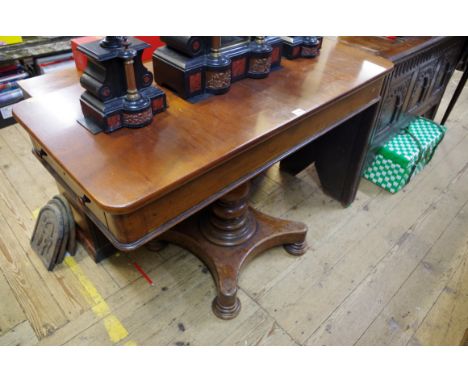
point(84, 199)
point(42, 153)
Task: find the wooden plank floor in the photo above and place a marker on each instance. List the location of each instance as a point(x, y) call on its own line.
point(389, 269)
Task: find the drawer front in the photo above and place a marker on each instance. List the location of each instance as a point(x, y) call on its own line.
point(62, 177)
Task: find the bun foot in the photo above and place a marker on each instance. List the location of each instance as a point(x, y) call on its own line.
point(226, 312)
point(155, 245)
point(296, 249)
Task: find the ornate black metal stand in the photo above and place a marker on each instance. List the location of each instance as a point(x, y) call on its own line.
point(118, 86)
point(192, 66)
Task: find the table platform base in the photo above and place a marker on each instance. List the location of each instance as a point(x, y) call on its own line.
point(229, 234)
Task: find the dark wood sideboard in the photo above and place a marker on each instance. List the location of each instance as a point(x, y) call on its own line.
point(423, 68)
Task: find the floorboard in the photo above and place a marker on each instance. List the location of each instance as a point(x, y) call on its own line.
point(388, 270)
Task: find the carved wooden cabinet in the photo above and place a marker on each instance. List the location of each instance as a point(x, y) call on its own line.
point(423, 67)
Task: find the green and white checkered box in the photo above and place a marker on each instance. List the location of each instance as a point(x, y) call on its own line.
point(405, 155)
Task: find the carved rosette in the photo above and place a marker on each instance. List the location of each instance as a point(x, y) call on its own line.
point(218, 79)
point(260, 65)
point(137, 119)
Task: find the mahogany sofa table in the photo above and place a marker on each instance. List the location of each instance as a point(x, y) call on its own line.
point(185, 178)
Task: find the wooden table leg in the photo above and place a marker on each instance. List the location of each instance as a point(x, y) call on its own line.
point(338, 155)
point(456, 94)
point(228, 234)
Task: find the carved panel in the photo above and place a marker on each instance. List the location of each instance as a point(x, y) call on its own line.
point(259, 65)
point(394, 100)
point(218, 80)
point(422, 85)
point(418, 80)
point(447, 63)
point(137, 119)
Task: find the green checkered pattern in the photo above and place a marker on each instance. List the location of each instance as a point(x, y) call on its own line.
point(429, 134)
point(405, 155)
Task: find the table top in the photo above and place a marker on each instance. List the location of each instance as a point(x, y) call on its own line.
point(47, 83)
point(127, 169)
point(393, 50)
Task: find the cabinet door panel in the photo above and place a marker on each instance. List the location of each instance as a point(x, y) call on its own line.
point(447, 63)
point(392, 107)
point(422, 85)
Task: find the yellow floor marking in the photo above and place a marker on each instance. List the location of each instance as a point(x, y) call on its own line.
point(131, 343)
point(114, 327)
point(35, 213)
point(100, 307)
